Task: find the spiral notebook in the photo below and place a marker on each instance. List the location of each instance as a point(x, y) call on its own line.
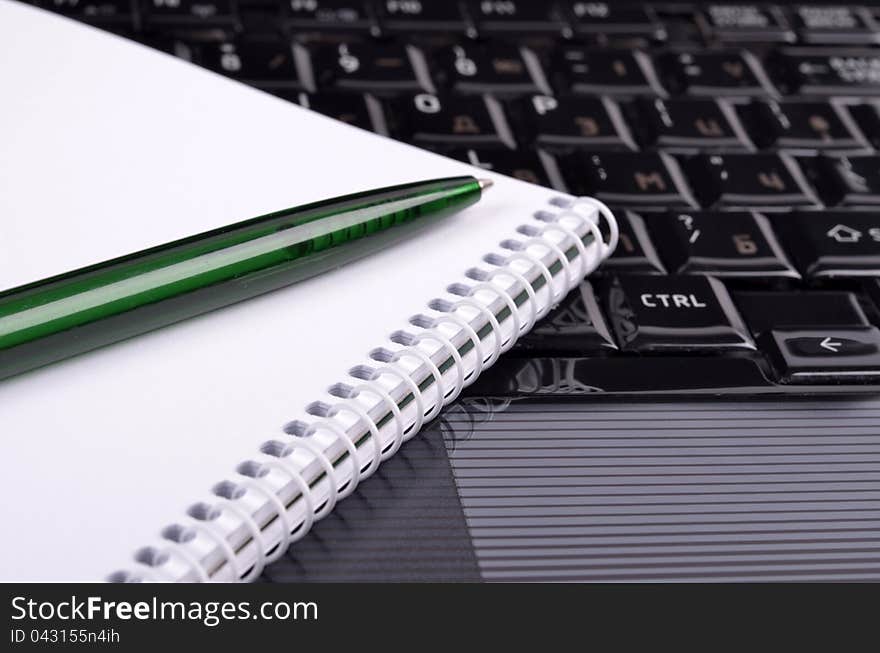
point(203, 450)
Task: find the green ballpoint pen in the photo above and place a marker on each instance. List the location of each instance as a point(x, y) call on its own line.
point(56, 318)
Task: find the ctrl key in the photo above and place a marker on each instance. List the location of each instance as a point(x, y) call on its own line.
point(675, 314)
point(825, 355)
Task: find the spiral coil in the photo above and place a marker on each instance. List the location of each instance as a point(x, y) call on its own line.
point(526, 302)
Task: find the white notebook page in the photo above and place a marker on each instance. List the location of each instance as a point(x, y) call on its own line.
point(109, 147)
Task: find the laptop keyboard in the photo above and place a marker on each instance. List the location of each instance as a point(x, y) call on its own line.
point(737, 143)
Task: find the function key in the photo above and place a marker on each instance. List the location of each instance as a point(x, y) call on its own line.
point(452, 122)
point(190, 14)
point(855, 179)
point(616, 19)
point(729, 244)
point(833, 243)
point(533, 167)
point(749, 180)
point(576, 327)
point(630, 179)
point(691, 125)
point(675, 313)
point(411, 16)
point(104, 13)
point(828, 72)
point(716, 73)
point(577, 122)
point(828, 24)
point(499, 69)
point(766, 310)
point(327, 15)
point(358, 110)
point(608, 72)
point(746, 22)
point(505, 16)
point(806, 126)
point(635, 252)
point(825, 355)
point(371, 66)
point(267, 64)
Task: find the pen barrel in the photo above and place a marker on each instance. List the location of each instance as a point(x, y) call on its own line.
point(56, 318)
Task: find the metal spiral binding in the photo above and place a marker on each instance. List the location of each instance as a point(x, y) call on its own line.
point(448, 312)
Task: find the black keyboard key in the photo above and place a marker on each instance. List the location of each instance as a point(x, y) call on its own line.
point(515, 16)
point(855, 179)
point(724, 244)
point(103, 13)
point(501, 69)
point(577, 122)
point(615, 19)
point(833, 243)
point(533, 167)
point(749, 180)
point(607, 72)
point(691, 125)
point(674, 313)
point(825, 355)
point(362, 111)
point(327, 15)
point(629, 179)
point(835, 25)
point(409, 16)
point(268, 64)
point(746, 22)
point(575, 327)
point(452, 122)
point(828, 72)
point(716, 74)
point(797, 126)
point(189, 14)
point(371, 67)
point(767, 310)
point(635, 252)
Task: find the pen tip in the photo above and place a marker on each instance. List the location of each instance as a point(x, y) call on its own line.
point(485, 183)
